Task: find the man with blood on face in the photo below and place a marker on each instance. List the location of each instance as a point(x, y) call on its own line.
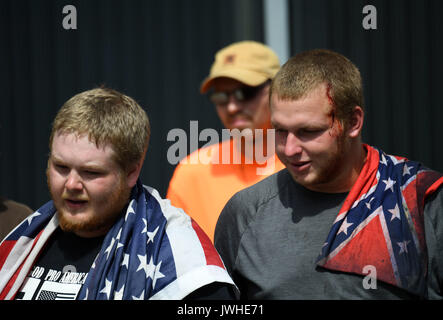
point(318, 152)
point(311, 230)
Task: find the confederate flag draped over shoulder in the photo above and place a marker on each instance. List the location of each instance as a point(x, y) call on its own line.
point(154, 251)
point(381, 222)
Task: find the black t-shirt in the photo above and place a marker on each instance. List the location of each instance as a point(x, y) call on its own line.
point(62, 268)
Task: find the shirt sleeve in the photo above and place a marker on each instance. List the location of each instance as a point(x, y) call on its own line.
point(227, 235)
point(231, 225)
point(433, 219)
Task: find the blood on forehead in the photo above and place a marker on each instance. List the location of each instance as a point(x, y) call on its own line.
point(332, 113)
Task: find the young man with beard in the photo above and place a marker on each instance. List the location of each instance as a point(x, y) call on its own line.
point(344, 220)
point(104, 235)
point(238, 86)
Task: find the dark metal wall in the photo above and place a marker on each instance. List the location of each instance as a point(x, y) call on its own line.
point(400, 63)
point(159, 51)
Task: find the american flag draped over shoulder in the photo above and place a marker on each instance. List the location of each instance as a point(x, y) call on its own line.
point(154, 251)
point(381, 222)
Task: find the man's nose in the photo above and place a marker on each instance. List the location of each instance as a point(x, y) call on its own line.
point(233, 105)
point(293, 145)
point(74, 181)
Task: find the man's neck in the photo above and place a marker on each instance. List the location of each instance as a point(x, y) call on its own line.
point(357, 158)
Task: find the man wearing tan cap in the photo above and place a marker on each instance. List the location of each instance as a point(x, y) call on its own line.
point(238, 85)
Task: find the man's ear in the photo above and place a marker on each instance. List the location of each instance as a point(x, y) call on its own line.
point(356, 122)
point(133, 173)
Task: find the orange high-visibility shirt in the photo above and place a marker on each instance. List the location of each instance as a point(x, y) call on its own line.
point(202, 188)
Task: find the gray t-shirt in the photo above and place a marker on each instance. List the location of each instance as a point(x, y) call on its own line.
point(270, 235)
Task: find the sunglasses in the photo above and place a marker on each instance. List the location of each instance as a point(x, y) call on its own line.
point(242, 94)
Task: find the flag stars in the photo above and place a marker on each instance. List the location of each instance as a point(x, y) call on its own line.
point(143, 266)
point(145, 228)
point(125, 261)
point(368, 204)
point(109, 248)
point(403, 246)
point(389, 184)
point(406, 169)
point(140, 297)
point(31, 217)
point(151, 235)
point(344, 227)
point(151, 270)
point(118, 295)
point(395, 212)
point(383, 160)
point(130, 210)
point(119, 245)
point(107, 289)
point(156, 274)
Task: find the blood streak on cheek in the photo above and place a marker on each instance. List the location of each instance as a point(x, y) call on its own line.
point(339, 128)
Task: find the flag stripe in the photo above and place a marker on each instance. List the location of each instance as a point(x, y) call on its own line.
point(212, 257)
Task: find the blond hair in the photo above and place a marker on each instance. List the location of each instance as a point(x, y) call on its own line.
point(305, 71)
point(109, 117)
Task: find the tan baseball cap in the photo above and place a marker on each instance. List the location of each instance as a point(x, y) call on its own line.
point(249, 62)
